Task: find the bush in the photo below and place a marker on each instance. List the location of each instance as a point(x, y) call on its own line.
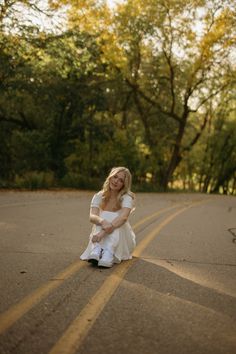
point(74, 180)
point(35, 180)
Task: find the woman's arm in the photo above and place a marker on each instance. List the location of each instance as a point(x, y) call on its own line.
point(97, 237)
point(121, 219)
point(116, 223)
point(94, 216)
point(97, 220)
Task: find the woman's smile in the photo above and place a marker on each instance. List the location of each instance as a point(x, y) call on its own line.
point(117, 181)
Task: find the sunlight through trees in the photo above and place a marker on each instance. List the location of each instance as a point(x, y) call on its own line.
point(148, 84)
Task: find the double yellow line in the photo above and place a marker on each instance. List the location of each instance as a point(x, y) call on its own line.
point(8, 318)
point(77, 331)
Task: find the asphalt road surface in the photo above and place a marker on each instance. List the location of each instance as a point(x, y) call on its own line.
point(176, 296)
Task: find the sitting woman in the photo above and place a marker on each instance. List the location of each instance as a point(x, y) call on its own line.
point(112, 239)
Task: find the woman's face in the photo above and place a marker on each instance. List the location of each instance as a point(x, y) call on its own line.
point(117, 181)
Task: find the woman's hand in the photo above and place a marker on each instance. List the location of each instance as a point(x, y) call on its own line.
point(97, 237)
point(107, 226)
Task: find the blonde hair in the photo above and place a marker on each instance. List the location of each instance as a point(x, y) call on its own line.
point(126, 189)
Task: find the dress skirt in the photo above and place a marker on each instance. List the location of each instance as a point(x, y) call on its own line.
point(121, 242)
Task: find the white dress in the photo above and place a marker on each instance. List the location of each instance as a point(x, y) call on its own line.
point(121, 242)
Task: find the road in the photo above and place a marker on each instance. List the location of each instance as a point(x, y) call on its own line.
point(177, 294)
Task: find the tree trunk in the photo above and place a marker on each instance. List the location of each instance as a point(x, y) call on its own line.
point(205, 184)
point(234, 187)
point(176, 156)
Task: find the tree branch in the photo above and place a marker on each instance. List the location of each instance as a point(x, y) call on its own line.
point(199, 133)
point(137, 89)
point(171, 79)
point(208, 98)
point(21, 123)
point(144, 120)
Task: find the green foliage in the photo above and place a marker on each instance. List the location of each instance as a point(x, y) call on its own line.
point(30, 151)
point(211, 166)
point(34, 180)
point(149, 85)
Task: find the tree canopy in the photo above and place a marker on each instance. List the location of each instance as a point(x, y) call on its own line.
point(148, 84)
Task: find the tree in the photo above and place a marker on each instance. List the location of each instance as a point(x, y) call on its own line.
point(187, 69)
point(174, 57)
point(140, 84)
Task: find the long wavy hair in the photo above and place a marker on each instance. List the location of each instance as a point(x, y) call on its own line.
point(126, 189)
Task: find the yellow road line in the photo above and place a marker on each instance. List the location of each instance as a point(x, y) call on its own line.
point(9, 317)
point(149, 217)
point(79, 328)
point(144, 243)
point(77, 331)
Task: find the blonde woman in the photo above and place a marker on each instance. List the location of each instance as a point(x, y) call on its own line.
point(112, 239)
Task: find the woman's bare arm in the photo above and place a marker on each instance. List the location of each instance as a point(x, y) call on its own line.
point(97, 220)
point(94, 216)
point(122, 218)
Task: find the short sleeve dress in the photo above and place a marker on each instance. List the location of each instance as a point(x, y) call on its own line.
point(122, 240)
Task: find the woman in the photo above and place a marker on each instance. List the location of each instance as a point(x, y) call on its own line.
point(112, 239)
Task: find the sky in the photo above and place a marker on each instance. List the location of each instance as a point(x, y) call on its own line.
point(45, 22)
point(113, 2)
